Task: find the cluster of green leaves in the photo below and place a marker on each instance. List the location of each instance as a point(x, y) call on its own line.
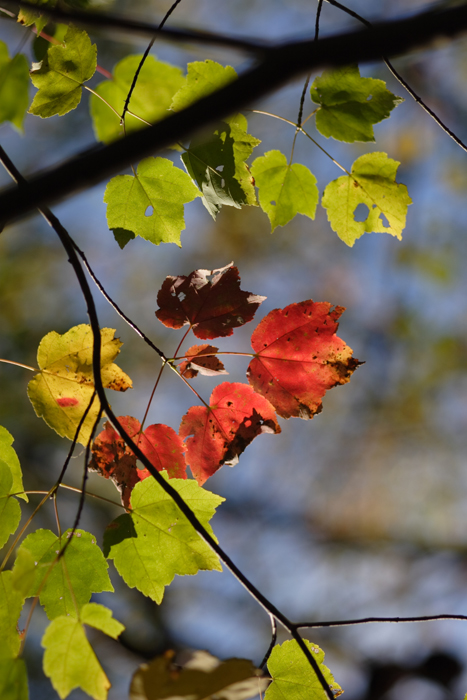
point(150, 203)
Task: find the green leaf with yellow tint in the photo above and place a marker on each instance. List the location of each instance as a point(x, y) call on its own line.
point(13, 679)
point(69, 660)
point(151, 99)
point(372, 183)
point(14, 87)
point(11, 604)
point(64, 586)
point(293, 676)
point(151, 204)
point(8, 455)
point(64, 388)
point(350, 104)
point(61, 74)
point(284, 190)
point(155, 541)
point(203, 676)
point(10, 511)
point(203, 78)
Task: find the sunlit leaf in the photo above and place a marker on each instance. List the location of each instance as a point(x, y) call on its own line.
point(63, 390)
point(67, 585)
point(350, 105)
point(201, 359)
point(151, 203)
point(203, 78)
point(299, 357)
point(284, 189)
point(211, 301)
point(11, 603)
point(222, 431)
point(372, 183)
point(10, 511)
point(114, 460)
point(293, 676)
point(62, 73)
point(69, 660)
point(218, 166)
point(202, 677)
point(14, 87)
point(8, 455)
point(155, 541)
point(13, 679)
point(157, 84)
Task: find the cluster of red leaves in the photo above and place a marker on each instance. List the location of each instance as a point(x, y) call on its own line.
point(297, 358)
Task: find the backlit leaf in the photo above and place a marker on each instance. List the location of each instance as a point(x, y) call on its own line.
point(13, 679)
point(218, 165)
point(198, 360)
point(11, 604)
point(350, 105)
point(100, 617)
point(203, 78)
point(284, 190)
point(68, 584)
point(372, 183)
point(10, 511)
point(27, 16)
point(114, 460)
point(220, 433)
point(157, 84)
point(202, 677)
point(69, 660)
point(155, 542)
point(8, 455)
point(151, 203)
point(14, 86)
point(62, 391)
point(293, 676)
point(62, 73)
point(299, 357)
point(213, 307)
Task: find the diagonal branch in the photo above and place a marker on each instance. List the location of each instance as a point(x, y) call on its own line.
point(279, 65)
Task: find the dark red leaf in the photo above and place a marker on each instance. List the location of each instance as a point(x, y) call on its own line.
point(236, 415)
point(199, 360)
point(299, 357)
point(213, 307)
point(114, 460)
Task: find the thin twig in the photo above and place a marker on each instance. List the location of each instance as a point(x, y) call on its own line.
point(272, 643)
point(368, 620)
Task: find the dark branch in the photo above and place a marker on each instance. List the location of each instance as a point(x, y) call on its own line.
point(279, 66)
point(368, 620)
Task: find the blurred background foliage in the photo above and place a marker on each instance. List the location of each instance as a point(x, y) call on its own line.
point(359, 512)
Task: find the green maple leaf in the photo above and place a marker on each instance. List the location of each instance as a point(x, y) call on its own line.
point(13, 679)
point(151, 203)
point(350, 104)
point(203, 78)
point(11, 603)
point(8, 455)
point(61, 74)
point(218, 166)
point(10, 511)
point(69, 660)
point(27, 16)
point(372, 183)
point(284, 190)
point(155, 541)
point(293, 676)
point(151, 99)
point(62, 391)
point(14, 85)
point(65, 586)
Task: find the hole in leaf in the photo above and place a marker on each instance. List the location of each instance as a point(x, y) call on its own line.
point(220, 168)
point(272, 202)
point(222, 183)
point(361, 212)
point(149, 211)
point(370, 97)
point(385, 221)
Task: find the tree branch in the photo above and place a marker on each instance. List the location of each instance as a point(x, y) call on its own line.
point(280, 65)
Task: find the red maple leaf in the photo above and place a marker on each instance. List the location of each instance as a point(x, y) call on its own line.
point(299, 357)
point(221, 432)
point(202, 359)
point(213, 308)
point(114, 460)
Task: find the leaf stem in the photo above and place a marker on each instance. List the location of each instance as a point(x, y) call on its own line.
point(19, 364)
